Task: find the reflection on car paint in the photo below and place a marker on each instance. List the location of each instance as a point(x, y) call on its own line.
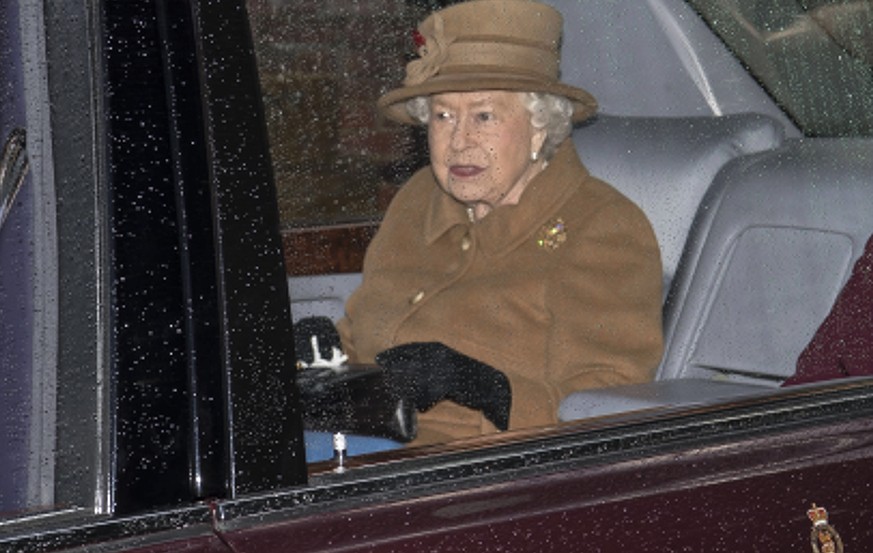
point(13, 168)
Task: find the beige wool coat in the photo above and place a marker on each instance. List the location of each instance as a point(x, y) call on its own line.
point(561, 292)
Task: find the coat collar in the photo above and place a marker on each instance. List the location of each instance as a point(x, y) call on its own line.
point(506, 226)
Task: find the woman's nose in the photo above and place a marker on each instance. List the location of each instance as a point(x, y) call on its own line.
point(462, 136)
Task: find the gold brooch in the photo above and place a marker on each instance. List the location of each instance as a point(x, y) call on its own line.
point(824, 537)
point(552, 235)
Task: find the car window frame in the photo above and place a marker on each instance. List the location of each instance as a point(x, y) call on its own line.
point(90, 339)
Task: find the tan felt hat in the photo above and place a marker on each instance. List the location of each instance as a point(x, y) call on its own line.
point(487, 45)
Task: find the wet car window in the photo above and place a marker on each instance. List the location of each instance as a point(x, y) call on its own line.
point(336, 161)
point(815, 57)
point(321, 70)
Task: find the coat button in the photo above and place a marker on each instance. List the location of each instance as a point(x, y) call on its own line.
point(417, 297)
point(466, 243)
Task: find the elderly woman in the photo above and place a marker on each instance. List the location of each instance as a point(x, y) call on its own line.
point(503, 276)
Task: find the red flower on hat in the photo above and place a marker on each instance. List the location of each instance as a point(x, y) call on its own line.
point(432, 51)
point(418, 38)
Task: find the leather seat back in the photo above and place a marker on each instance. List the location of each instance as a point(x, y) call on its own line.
point(771, 246)
point(666, 164)
point(773, 243)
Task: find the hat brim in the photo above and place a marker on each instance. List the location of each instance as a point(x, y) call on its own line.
point(393, 104)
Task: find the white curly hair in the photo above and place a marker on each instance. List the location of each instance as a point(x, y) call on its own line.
point(547, 111)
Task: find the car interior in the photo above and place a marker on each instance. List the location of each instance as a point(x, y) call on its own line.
point(758, 227)
point(756, 276)
point(759, 224)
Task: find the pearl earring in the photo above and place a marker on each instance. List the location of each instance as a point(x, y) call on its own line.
point(534, 156)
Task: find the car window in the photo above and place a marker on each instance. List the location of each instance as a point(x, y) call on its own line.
point(815, 57)
point(337, 163)
point(321, 70)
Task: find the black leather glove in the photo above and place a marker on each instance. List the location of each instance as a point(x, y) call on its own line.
point(320, 327)
point(355, 400)
point(429, 372)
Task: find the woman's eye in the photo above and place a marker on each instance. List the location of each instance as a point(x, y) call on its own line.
point(485, 116)
point(442, 116)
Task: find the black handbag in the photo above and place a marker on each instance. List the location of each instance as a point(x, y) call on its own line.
point(354, 399)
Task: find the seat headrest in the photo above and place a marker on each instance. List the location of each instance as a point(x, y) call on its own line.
point(666, 164)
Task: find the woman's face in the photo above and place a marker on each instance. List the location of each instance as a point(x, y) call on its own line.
point(480, 147)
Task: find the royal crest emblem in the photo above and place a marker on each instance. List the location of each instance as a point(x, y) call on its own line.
point(824, 537)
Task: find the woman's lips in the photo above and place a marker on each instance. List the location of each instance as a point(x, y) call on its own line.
point(465, 171)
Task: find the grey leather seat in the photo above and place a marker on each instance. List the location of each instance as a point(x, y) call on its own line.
point(772, 244)
point(666, 164)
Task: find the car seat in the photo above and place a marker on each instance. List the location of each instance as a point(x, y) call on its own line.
point(772, 244)
point(666, 164)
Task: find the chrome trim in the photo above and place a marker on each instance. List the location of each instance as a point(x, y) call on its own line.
point(13, 168)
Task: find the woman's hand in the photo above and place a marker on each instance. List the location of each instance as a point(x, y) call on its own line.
point(426, 373)
point(317, 343)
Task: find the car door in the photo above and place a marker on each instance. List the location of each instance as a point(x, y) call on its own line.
point(173, 422)
point(151, 276)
